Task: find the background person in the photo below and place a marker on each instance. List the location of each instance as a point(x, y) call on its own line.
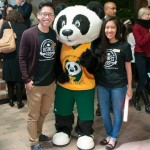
point(129, 37)
point(25, 9)
point(10, 70)
point(3, 3)
point(110, 9)
point(141, 32)
point(6, 10)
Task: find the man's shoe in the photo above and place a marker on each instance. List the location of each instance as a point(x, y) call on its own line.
point(37, 147)
point(44, 138)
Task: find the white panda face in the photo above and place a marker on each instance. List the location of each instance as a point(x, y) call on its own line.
point(76, 25)
point(78, 21)
point(73, 68)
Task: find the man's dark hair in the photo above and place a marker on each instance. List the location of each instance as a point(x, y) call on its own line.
point(43, 4)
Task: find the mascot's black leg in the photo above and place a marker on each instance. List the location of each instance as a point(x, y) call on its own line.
point(64, 127)
point(84, 127)
point(85, 134)
point(64, 123)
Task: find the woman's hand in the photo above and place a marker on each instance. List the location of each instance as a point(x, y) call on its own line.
point(129, 93)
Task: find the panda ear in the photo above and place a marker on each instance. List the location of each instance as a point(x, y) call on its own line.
point(97, 8)
point(59, 8)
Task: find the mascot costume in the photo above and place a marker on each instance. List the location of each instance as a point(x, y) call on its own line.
point(76, 27)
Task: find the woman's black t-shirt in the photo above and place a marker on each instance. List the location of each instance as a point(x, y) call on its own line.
point(113, 73)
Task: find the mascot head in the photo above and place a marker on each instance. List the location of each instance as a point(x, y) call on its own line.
point(59, 8)
point(96, 7)
point(77, 25)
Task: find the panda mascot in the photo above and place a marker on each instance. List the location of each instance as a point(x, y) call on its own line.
point(76, 27)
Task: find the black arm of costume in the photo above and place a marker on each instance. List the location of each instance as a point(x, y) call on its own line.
point(88, 60)
point(61, 76)
point(100, 54)
point(93, 58)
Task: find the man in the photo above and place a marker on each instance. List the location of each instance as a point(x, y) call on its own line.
point(25, 9)
point(37, 59)
point(110, 9)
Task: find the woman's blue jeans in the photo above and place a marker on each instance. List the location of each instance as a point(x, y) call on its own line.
point(116, 96)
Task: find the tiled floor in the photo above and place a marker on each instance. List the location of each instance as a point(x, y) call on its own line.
point(13, 133)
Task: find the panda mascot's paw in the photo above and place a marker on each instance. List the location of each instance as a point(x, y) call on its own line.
point(85, 142)
point(61, 139)
point(87, 59)
point(63, 78)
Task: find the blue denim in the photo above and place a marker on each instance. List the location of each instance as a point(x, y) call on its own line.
point(116, 96)
point(37, 147)
point(141, 65)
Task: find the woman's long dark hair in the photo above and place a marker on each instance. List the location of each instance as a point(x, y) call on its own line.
point(5, 10)
point(103, 38)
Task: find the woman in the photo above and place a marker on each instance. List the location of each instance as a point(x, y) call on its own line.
point(11, 71)
point(114, 79)
point(6, 10)
point(129, 37)
point(141, 32)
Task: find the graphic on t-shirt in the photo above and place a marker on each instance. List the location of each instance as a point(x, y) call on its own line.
point(111, 59)
point(74, 70)
point(47, 49)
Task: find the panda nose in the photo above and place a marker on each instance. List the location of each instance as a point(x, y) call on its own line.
point(67, 32)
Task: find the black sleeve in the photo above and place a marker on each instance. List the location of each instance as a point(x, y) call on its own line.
point(58, 66)
point(128, 53)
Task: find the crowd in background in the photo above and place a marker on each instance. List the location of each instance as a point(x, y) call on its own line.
point(19, 18)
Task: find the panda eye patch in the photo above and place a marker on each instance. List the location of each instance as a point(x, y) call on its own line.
point(77, 23)
point(82, 23)
point(61, 22)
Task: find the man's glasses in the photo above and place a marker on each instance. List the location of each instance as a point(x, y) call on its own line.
point(44, 14)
